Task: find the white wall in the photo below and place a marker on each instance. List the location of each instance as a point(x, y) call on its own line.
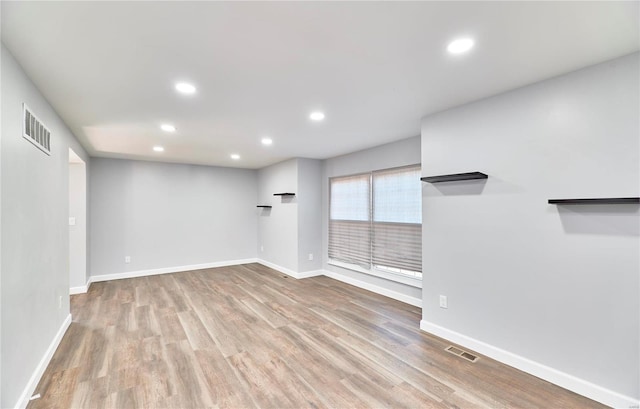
point(396, 154)
point(278, 226)
point(558, 285)
point(78, 232)
point(169, 215)
point(35, 233)
point(290, 230)
point(1, 133)
point(309, 196)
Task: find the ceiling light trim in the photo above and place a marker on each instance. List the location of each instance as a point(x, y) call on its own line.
point(460, 45)
point(317, 116)
point(185, 88)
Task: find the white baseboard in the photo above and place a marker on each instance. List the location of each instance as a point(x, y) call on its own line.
point(42, 365)
point(312, 273)
point(570, 382)
point(79, 290)
point(289, 272)
point(168, 270)
point(417, 302)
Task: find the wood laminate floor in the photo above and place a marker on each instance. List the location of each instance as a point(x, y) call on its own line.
point(246, 336)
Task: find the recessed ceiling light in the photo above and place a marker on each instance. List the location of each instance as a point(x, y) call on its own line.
point(316, 116)
point(168, 128)
point(158, 149)
point(235, 156)
point(461, 45)
point(267, 141)
point(185, 88)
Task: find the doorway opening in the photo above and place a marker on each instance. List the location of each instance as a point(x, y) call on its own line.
point(77, 224)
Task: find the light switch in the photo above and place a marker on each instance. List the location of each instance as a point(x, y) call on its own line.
point(443, 302)
point(72, 221)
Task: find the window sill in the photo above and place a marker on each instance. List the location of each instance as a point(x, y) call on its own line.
point(398, 278)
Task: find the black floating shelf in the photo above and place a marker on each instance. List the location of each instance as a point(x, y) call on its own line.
point(454, 177)
point(284, 194)
point(264, 206)
point(603, 200)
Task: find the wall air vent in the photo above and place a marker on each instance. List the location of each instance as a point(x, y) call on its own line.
point(34, 131)
point(461, 353)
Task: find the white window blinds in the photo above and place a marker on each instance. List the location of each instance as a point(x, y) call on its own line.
point(350, 220)
point(397, 219)
point(376, 220)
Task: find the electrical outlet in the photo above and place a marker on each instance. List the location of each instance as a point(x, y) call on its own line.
point(127, 259)
point(261, 248)
point(310, 256)
point(443, 301)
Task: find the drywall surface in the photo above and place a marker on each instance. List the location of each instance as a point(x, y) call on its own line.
point(78, 231)
point(35, 232)
point(278, 226)
point(1, 133)
point(554, 284)
point(309, 214)
point(165, 215)
point(396, 154)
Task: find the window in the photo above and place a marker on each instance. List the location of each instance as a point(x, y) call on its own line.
point(375, 221)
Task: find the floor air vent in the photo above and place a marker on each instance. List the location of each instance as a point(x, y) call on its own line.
point(463, 354)
point(34, 131)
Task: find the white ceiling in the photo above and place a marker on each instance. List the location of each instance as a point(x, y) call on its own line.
point(375, 69)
